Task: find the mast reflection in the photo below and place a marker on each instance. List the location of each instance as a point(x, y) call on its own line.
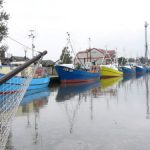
point(147, 96)
point(71, 96)
point(32, 102)
point(109, 88)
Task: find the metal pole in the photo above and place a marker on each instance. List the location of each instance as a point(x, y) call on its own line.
point(90, 48)
point(146, 45)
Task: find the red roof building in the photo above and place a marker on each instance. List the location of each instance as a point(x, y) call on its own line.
point(99, 56)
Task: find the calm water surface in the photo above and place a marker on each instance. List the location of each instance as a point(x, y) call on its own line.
point(112, 114)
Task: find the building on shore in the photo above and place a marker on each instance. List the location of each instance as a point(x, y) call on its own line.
point(94, 55)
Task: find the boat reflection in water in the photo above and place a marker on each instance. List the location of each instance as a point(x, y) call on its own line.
point(30, 106)
point(109, 89)
point(34, 96)
point(140, 75)
point(109, 82)
point(66, 92)
point(108, 86)
point(70, 98)
point(127, 78)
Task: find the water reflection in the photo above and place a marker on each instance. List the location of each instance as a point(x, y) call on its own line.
point(109, 82)
point(76, 94)
point(140, 79)
point(108, 86)
point(66, 92)
point(129, 77)
point(96, 115)
point(33, 101)
point(140, 75)
point(147, 96)
point(36, 96)
point(72, 96)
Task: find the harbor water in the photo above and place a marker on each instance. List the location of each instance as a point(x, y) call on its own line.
point(110, 114)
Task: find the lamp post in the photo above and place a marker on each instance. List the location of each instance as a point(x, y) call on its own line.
point(32, 36)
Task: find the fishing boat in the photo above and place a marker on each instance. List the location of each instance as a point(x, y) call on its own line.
point(140, 69)
point(128, 70)
point(108, 71)
point(109, 66)
point(39, 80)
point(76, 73)
point(69, 74)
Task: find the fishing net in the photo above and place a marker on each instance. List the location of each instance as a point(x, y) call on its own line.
point(11, 94)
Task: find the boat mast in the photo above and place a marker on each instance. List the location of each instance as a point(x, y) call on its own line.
point(32, 36)
point(90, 47)
point(69, 41)
point(146, 45)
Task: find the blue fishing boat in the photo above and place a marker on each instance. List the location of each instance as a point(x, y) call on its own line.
point(140, 70)
point(35, 83)
point(147, 69)
point(128, 70)
point(40, 80)
point(71, 75)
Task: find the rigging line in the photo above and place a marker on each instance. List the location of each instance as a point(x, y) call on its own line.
point(65, 51)
point(74, 52)
point(21, 44)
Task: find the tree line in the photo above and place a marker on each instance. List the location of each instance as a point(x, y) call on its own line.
point(4, 17)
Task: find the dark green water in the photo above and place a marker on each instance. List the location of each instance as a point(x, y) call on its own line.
point(112, 114)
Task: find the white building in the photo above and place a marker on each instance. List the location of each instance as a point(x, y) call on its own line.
point(94, 55)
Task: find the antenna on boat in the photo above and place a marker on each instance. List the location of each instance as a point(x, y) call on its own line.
point(146, 45)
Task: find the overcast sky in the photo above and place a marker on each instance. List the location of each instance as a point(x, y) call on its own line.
point(109, 23)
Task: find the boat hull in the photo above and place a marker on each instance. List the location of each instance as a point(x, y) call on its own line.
point(68, 75)
point(37, 83)
point(107, 72)
point(17, 81)
point(140, 70)
point(128, 71)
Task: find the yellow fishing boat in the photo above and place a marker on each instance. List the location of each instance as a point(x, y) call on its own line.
point(108, 71)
